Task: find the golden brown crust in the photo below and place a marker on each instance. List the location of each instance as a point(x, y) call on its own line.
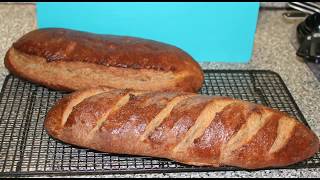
point(196, 130)
point(137, 58)
point(12, 67)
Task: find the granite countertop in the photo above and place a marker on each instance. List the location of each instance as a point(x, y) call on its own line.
point(272, 51)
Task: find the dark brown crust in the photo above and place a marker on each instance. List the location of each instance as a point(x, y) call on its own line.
point(221, 129)
point(302, 145)
point(122, 52)
point(182, 117)
point(57, 44)
point(84, 115)
point(254, 154)
point(54, 116)
point(74, 75)
point(258, 147)
point(127, 124)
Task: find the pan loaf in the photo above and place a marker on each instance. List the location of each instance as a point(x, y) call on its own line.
point(69, 60)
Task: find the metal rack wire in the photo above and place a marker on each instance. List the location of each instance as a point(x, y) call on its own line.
point(27, 150)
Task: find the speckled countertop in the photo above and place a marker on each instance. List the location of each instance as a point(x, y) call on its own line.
point(272, 51)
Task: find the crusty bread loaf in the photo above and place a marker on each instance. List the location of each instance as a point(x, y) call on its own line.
point(189, 128)
point(70, 60)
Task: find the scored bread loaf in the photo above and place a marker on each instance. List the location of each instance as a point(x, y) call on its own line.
point(66, 59)
point(186, 127)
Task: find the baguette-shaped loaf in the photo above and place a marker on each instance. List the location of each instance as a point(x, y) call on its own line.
point(70, 60)
point(188, 128)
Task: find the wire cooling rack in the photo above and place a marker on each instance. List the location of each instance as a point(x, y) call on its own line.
point(27, 150)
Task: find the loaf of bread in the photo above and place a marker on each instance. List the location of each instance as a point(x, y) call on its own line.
point(186, 127)
point(70, 60)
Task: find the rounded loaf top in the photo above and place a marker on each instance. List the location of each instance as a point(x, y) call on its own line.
point(58, 44)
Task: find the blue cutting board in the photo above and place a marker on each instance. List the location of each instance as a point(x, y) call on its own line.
point(215, 32)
